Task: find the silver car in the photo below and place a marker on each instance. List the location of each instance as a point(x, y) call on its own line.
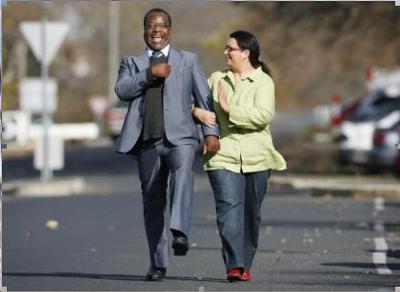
point(355, 135)
point(384, 155)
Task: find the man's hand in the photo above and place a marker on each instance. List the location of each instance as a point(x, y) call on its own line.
point(211, 144)
point(161, 70)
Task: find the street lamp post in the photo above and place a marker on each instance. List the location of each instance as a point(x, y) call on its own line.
point(113, 46)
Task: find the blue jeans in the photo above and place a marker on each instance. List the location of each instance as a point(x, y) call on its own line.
point(238, 199)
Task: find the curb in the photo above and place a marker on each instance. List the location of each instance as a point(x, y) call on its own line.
point(341, 185)
point(54, 188)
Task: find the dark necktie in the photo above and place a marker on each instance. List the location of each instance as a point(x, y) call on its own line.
point(157, 55)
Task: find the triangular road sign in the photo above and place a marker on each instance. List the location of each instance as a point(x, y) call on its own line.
point(54, 35)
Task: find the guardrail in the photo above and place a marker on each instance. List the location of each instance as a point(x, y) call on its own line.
point(19, 130)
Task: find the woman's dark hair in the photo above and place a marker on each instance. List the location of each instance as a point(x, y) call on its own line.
point(156, 10)
point(247, 41)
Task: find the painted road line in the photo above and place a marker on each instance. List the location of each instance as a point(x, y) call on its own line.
point(381, 247)
point(380, 244)
point(379, 226)
point(379, 204)
point(379, 260)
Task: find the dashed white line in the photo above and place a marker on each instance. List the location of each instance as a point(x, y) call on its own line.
point(380, 244)
point(379, 260)
point(379, 226)
point(381, 247)
point(379, 204)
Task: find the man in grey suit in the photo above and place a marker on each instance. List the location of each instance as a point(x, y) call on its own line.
point(162, 84)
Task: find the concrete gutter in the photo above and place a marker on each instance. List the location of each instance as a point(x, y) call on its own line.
point(54, 188)
point(341, 185)
point(365, 186)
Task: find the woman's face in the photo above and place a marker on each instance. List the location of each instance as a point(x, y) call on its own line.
point(234, 56)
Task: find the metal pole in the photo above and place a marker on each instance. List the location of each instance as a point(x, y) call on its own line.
point(113, 47)
point(46, 173)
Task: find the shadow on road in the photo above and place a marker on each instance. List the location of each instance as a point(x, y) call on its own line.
point(361, 265)
point(118, 277)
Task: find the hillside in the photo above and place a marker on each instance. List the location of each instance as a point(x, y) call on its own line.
point(320, 48)
point(315, 49)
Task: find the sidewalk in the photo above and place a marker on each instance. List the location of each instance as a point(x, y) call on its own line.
point(350, 185)
point(360, 186)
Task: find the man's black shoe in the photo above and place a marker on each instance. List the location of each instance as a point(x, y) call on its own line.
point(180, 245)
point(156, 274)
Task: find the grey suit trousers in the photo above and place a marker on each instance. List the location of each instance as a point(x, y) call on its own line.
point(157, 163)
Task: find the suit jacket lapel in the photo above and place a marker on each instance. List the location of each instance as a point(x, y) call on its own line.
point(174, 60)
point(142, 60)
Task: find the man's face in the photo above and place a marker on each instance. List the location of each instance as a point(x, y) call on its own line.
point(157, 31)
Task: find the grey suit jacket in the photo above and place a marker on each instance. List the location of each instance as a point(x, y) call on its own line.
point(185, 86)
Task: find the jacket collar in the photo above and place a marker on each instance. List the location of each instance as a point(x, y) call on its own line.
point(165, 51)
point(174, 59)
point(256, 75)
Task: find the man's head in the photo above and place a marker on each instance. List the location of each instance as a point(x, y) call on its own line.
point(157, 28)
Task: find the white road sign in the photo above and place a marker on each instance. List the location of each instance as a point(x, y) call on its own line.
point(55, 33)
point(31, 95)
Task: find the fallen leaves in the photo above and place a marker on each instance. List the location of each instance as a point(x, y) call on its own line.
point(28, 234)
point(52, 224)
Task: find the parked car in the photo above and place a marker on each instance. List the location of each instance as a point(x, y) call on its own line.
point(114, 117)
point(355, 134)
point(384, 154)
point(347, 111)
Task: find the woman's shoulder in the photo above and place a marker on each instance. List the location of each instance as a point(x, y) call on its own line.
point(265, 79)
point(217, 75)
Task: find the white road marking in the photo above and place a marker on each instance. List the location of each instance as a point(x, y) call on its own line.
point(379, 259)
point(379, 226)
point(379, 204)
point(381, 247)
point(380, 244)
point(384, 270)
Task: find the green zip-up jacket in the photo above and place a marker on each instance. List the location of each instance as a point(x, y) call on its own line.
point(245, 136)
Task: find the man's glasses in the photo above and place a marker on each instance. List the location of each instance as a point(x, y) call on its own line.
point(154, 25)
point(230, 49)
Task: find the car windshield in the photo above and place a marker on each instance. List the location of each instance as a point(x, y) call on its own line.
point(375, 107)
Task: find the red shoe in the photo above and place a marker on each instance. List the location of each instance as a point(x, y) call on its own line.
point(246, 276)
point(234, 275)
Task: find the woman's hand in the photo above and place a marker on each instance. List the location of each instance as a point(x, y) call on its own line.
point(223, 102)
point(205, 117)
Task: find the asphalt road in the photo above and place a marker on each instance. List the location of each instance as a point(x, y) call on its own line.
point(306, 243)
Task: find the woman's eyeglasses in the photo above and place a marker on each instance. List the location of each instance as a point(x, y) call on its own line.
point(230, 49)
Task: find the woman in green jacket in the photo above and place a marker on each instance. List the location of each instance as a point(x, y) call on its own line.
point(244, 103)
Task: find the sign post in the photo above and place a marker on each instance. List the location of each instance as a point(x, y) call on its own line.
point(44, 39)
point(46, 118)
